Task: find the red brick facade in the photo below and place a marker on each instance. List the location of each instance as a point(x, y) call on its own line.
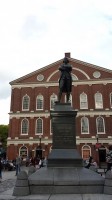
point(89, 80)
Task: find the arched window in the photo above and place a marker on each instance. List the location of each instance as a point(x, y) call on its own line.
point(39, 102)
point(100, 125)
point(74, 77)
point(39, 126)
point(53, 98)
point(25, 102)
point(23, 152)
point(24, 126)
point(98, 100)
point(86, 152)
point(84, 125)
point(83, 101)
point(111, 99)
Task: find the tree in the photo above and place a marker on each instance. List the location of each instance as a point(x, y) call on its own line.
point(3, 136)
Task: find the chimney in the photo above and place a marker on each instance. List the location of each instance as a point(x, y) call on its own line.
point(67, 55)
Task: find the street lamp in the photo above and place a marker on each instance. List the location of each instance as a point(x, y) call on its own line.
point(98, 145)
point(39, 150)
point(40, 137)
point(97, 137)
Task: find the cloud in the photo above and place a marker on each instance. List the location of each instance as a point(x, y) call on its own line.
point(36, 33)
point(4, 109)
point(33, 27)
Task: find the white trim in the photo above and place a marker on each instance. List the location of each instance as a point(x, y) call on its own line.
point(102, 124)
point(82, 100)
point(49, 77)
point(42, 98)
point(36, 126)
point(87, 125)
point(56, 83)
point(76, 69)
point(28, 102)
point(27, 127)
point(44, 114)
point(49, 141)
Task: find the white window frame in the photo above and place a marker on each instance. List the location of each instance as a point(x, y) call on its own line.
point(83, 101)
point(36, 127)
point(87, 121)
point(86, 148)
point(21, 151)
point(98, 100)
point(102, 124)
point(28, 102)
point(53, 98)
point(41, 99)
point(22, 126)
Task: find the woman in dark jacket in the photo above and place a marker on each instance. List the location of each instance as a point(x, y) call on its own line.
point(1, 167)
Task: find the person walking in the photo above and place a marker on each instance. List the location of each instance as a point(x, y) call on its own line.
point(1, 168)
point(109, 159)
point(89, 163)
point(18, 164)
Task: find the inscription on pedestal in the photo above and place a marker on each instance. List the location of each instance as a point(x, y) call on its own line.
point(63, 136)
point(64, 152)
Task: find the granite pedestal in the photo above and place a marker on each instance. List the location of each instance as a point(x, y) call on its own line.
point(66, 180)
point(65, 173)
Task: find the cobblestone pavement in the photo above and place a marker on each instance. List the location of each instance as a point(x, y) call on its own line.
point(9, 179)
point(6, 185)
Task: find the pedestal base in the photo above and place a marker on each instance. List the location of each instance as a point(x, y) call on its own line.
point(76, 180)
point(64, 158)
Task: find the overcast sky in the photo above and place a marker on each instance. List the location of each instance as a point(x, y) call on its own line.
point(36, 33)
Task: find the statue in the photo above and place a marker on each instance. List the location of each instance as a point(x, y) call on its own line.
point(65, 81)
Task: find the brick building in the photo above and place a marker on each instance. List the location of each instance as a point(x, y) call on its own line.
point(33, 97)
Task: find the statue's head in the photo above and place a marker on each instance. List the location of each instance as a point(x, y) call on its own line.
point(65, 60)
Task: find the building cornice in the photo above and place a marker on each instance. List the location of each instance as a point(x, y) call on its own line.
point(54, 84)
point(90, 113)
point(49, 141)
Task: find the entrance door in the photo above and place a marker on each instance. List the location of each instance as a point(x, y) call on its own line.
point(85, 152)
point(39, 153)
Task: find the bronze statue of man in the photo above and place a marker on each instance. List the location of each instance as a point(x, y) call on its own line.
point(65, 81)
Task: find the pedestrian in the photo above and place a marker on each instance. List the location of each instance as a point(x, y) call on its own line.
point(27, 161)
point(1, 168)
point(18, 164)
point(40, 163)
point(33, 161)
point(89, 163)
point(109, 159)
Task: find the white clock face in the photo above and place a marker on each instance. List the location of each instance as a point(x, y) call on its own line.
point(40, 77)
point(96, 74)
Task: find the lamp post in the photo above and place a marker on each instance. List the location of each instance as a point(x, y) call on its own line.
point(40, 137)
point(97, 146)
point(97, 149)
point(39, 150)
point(97, 138)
